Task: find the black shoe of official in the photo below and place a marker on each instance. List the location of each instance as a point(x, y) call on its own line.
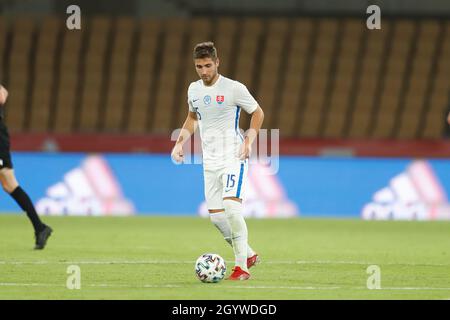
point(41, 237)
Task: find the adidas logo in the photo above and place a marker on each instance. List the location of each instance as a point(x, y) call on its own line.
point(90, 189)
point(415, 194)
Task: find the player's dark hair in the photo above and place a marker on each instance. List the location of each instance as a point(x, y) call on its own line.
point(205, 50)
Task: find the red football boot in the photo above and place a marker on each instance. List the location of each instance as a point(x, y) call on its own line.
point(251, 261)
point(239, 274)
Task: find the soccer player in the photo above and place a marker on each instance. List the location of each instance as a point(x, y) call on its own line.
point(215, 103)
point(10, 184)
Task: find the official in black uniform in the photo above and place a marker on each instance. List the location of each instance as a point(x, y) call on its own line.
point(10, 184)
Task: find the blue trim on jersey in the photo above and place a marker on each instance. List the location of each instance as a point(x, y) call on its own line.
point(238, 193)
point(236, 119)
point(236, 123)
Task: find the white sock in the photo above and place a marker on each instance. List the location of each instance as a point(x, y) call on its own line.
point(219, 219)
point(239, 233)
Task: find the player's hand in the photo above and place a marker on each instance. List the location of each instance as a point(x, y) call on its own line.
point(246, 150)
point(177, 153)
point(448, 118)
point(3, 95)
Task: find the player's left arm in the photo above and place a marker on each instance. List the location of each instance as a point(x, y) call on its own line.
point(3, 95)
point(251, 134)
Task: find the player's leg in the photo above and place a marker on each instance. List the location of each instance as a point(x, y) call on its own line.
point(239, 232)
point(219, 219)
point(213, 196)
point(11, 186)
point(213, 181)
point(234, 183)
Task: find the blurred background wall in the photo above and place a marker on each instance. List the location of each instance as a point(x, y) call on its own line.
point(190, 7)
point(334, 88)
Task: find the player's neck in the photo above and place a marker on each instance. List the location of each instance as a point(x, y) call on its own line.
point(212, 82)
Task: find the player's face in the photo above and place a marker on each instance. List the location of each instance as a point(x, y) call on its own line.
point(206, 69)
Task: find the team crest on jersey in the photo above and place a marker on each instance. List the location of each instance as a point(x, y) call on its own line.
point(207, 99)
point(220, 99)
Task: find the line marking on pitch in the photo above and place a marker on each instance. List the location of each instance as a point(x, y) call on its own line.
point(274, 262)
point(105, 285)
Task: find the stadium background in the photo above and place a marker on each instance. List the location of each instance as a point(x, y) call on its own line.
point(362, 113)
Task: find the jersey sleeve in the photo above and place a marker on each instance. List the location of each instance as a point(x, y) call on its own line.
point(189, 99)
point(243, 98)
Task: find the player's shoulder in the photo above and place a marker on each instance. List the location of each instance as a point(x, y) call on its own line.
point(231, 83)
point(194, 85)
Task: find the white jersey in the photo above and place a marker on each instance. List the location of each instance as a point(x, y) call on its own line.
point(218, 109)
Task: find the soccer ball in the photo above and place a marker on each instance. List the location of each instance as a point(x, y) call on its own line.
point(210, 267)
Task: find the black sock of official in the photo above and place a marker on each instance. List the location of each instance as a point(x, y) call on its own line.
point(24, 201)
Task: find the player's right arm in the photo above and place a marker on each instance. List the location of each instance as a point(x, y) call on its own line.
point(189, 127)
point(3, 95)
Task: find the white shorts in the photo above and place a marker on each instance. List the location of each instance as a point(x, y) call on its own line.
point(227, 182)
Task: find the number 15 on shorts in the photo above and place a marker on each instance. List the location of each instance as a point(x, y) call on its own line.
point(230, 180)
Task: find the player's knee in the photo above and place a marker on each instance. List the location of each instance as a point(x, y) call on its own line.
point(212, 211)
point(233, 199)
point(8, 187)
point(216, 216)
point(232, 206)
point(8, 181)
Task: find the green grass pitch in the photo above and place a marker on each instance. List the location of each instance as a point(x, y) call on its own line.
point(153, 258)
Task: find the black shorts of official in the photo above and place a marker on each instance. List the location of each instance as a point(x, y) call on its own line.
point(5, 154)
